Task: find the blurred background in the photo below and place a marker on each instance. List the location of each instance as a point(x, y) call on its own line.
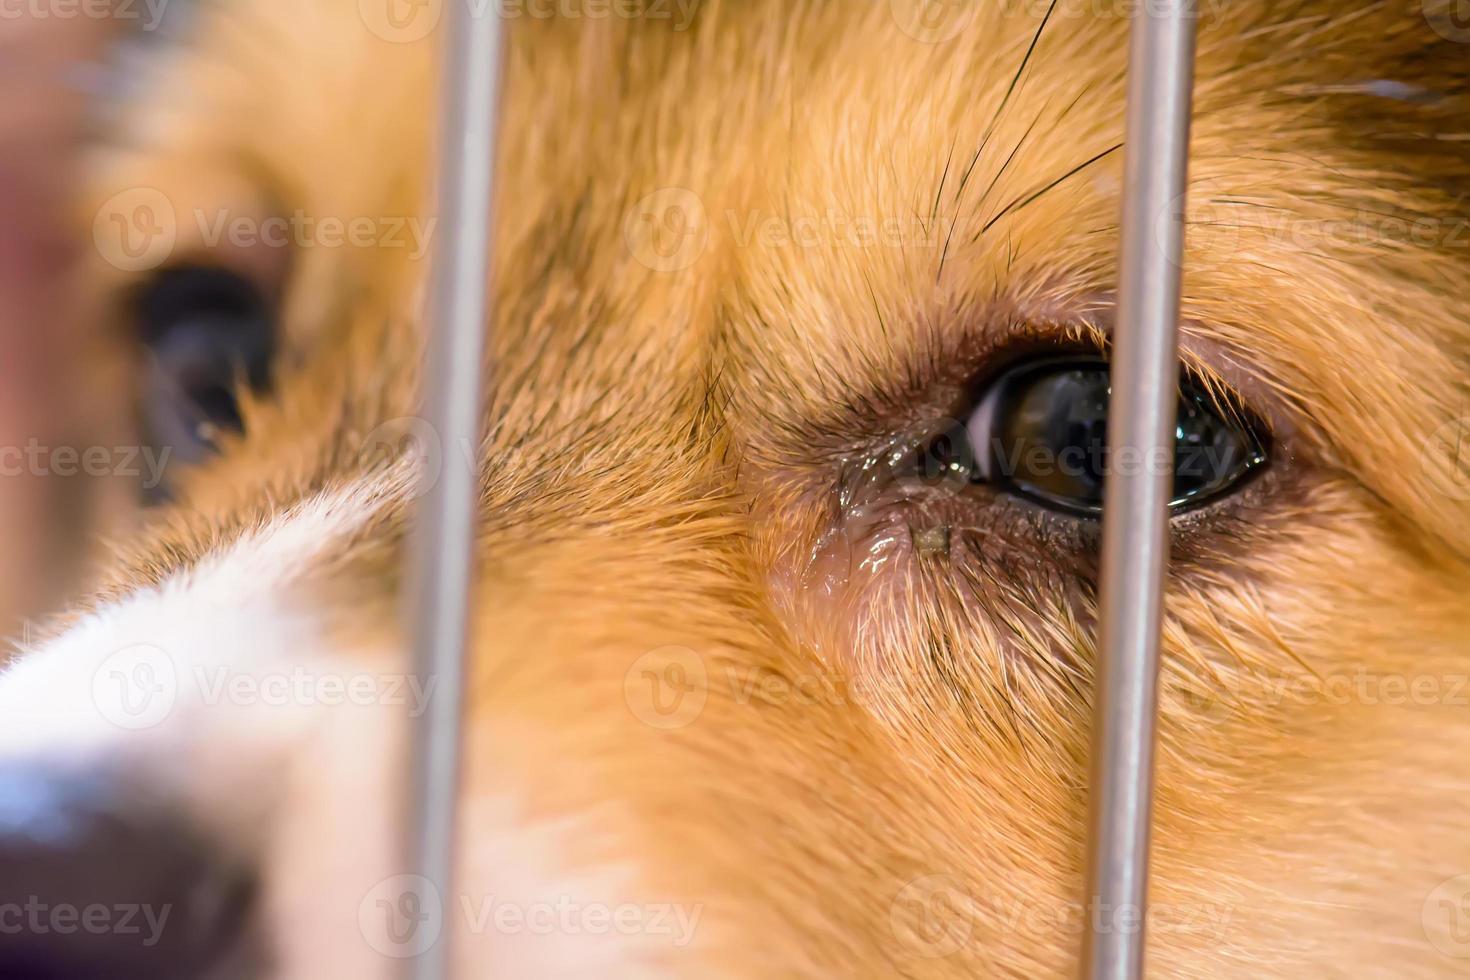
point(58, 392)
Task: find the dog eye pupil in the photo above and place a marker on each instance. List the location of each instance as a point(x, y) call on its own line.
point(207, 332)
point(1052, 426)
point(1044, 437)
point(1211, 453)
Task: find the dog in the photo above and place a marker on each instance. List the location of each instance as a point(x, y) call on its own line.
point(776, 668)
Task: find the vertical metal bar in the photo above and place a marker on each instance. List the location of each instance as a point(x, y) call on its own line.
point(444, 536)
point(1145, 378)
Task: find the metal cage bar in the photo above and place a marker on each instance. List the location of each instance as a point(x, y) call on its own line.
point(1135, 517)
point(1141, 431)
point(445, 531)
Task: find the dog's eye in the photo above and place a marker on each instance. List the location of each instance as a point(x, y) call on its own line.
point(207, 332)
point(1040, 431)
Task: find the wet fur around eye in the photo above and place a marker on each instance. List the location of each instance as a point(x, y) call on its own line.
point(852, 455)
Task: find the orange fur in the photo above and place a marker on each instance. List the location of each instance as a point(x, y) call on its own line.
point(887, 775)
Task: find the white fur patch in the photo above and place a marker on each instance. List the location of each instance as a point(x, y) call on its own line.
point(217, 691)
point(202, 683)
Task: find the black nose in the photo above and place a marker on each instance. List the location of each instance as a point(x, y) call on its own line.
point(98, 879)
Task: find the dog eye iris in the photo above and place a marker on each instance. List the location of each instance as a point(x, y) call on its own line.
point(1040, 431)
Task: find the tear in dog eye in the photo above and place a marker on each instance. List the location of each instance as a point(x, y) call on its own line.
point(207, 332)
point(1040, 431)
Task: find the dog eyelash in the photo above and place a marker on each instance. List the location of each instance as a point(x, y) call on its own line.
point(851, 452)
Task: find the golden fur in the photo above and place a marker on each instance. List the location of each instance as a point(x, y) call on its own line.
point(887, 776)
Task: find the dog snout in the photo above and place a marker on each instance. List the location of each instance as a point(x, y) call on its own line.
point(98, 879)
